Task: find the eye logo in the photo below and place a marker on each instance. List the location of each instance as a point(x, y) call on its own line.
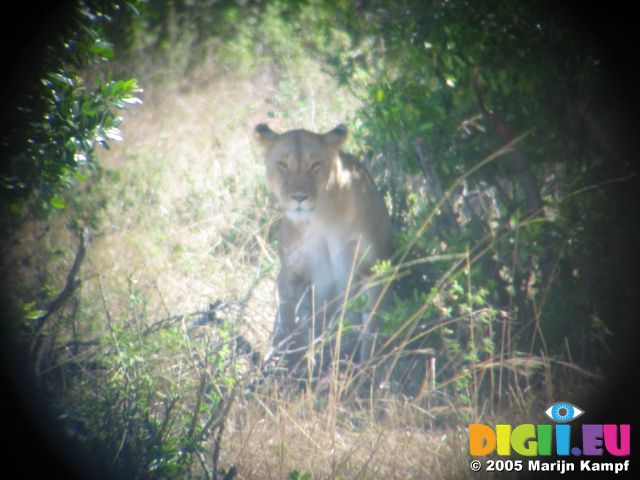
point(563, 412)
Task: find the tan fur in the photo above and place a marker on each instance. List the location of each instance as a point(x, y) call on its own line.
point(331, 208)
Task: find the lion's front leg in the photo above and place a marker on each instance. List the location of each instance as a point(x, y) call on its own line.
point(290, 336)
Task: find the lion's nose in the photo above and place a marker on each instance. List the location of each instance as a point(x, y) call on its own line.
point(299, 197)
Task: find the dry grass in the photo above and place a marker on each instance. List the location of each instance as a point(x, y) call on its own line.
point(189, 220)
point(268, 442)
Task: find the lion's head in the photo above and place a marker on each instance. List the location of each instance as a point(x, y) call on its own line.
point(300, 165)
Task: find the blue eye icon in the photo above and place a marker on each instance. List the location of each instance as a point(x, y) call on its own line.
point(563, 412)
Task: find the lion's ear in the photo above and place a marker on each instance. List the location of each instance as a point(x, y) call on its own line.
point(265, 135)
point(337, 136)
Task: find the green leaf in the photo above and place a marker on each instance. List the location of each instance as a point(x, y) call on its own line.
point(132, 100)
point(15, 208)
point(426, 126)
point(34, 314)
point(102, 48)
point(88, 108)
point(61, 80)
point(57, 202)
point(79, 175)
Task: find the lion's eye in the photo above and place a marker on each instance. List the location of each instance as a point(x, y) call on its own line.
point(315, 166)
point(283, 166)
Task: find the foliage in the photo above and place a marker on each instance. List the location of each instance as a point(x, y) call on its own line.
point(447, 84)
point(69, 116)
point(296, 475)
point(154, 424)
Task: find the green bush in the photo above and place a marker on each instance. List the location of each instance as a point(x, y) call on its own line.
point(72, 113)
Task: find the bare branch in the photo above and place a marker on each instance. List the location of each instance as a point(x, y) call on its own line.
point(70, 286)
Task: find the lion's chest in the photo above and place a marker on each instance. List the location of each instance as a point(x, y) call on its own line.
point(323, 257)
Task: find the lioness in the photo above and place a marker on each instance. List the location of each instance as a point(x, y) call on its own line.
point(331, 211)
